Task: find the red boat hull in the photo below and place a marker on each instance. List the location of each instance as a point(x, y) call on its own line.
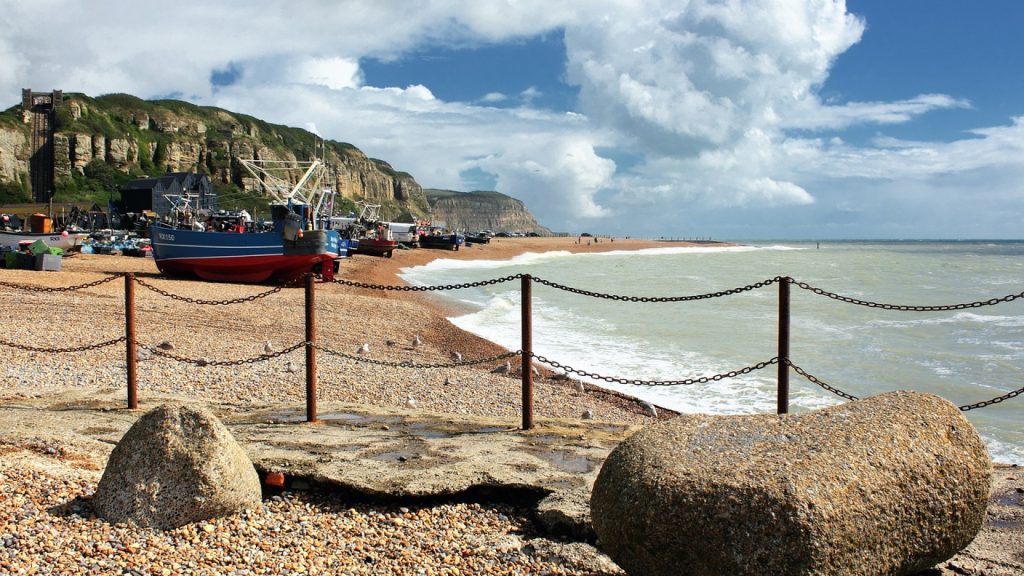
point(249, 269)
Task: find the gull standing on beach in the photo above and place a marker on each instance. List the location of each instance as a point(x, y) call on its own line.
point(364, 349)
point(503, 369)
point(268, 347)
point(416, 341)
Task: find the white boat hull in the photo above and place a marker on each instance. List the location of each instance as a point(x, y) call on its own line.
point(58, 240)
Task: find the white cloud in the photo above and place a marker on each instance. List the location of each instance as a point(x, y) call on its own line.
point(334, 73)
point(689, 111)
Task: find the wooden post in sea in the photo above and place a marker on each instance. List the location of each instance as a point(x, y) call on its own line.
point(783, 393)
point(310, 349)
point(129, 339)
point(527, 370)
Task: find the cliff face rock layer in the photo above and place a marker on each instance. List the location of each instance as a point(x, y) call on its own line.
point(140, 137)
point(475, 211)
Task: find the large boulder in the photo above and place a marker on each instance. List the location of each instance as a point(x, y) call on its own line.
point(888, 485)
point(174, 466)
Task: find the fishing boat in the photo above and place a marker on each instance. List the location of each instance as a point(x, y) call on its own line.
point(368, 234)
point(295, 245)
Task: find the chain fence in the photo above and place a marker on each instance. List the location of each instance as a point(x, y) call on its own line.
point(157, 351)
point(582, 373)
point(902, 307)
point(240, 300)
point(396, 288)
point(82, 348)
point(30, 288)
point(621, 298)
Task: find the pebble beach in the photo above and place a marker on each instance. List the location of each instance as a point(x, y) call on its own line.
point(47, 525)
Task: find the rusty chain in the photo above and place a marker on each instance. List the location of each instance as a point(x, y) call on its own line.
point(811, 378)
point(991, 401)
point(83, 348)
point(687, 382)
point(425, 288)
point(964, 408)
point(905, 308)
point(620, 298)
point(202, 362)
point(28, 288)
point(414, 364)
point(241, 300)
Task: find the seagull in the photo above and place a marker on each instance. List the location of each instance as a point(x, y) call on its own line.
point(390, 342)
point(448, 381)
point(268, 347)
point(457, 356)
point(535, 371)
point(587, 415)
point(580, 389)
point(165, 345)
point(364, 349)
point(650, 409)
point(289, 366)
point(503, 369)
point(416, 341)
point(142, 354)
point(410, 402)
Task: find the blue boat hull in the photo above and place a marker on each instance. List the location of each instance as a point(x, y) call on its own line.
point(244, 257)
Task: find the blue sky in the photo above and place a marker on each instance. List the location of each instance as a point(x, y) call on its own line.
point(737, 119)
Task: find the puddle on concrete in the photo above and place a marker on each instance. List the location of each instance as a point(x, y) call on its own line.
point(566, 461)
point(1009, 525)
point(396, 456)
point(1011, 499)
point(346, 417)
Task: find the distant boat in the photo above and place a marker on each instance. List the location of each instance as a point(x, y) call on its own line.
point(63, 240)
point(442, 241)
point(374, 246)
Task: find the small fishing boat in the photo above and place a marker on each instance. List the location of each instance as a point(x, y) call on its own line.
point(450, 241)
point(64, 240)
point(374, 246)
point(244, 253)
point(367, 234)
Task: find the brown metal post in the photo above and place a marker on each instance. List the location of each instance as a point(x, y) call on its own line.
point(527, 310)
point(310, 349)
point(129, 339)
point(783, 397)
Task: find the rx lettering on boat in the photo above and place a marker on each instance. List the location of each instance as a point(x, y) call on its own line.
point(165, 236)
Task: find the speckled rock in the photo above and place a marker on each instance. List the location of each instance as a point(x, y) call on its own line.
point(176, 465)
point(888, 485)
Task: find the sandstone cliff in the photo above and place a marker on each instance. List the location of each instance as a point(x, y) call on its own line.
point(475, 211)
point(139, 137)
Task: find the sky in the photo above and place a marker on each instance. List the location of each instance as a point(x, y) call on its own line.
point(729, 119)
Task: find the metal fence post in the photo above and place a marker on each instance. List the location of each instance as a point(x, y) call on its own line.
point(527, 311)
point(783, 394)
point(310, 349)
point(129, 340)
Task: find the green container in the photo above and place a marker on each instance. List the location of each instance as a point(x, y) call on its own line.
point(10, 259)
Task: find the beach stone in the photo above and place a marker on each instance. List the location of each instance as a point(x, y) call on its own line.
point(176, 465)
point(888, 485)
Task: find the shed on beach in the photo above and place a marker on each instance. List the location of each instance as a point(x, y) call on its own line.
point(143, 194)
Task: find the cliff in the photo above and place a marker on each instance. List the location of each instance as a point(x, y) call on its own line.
point(475, 211)
point(137, 137)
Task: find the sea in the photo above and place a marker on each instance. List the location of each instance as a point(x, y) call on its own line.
point(966, 356)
